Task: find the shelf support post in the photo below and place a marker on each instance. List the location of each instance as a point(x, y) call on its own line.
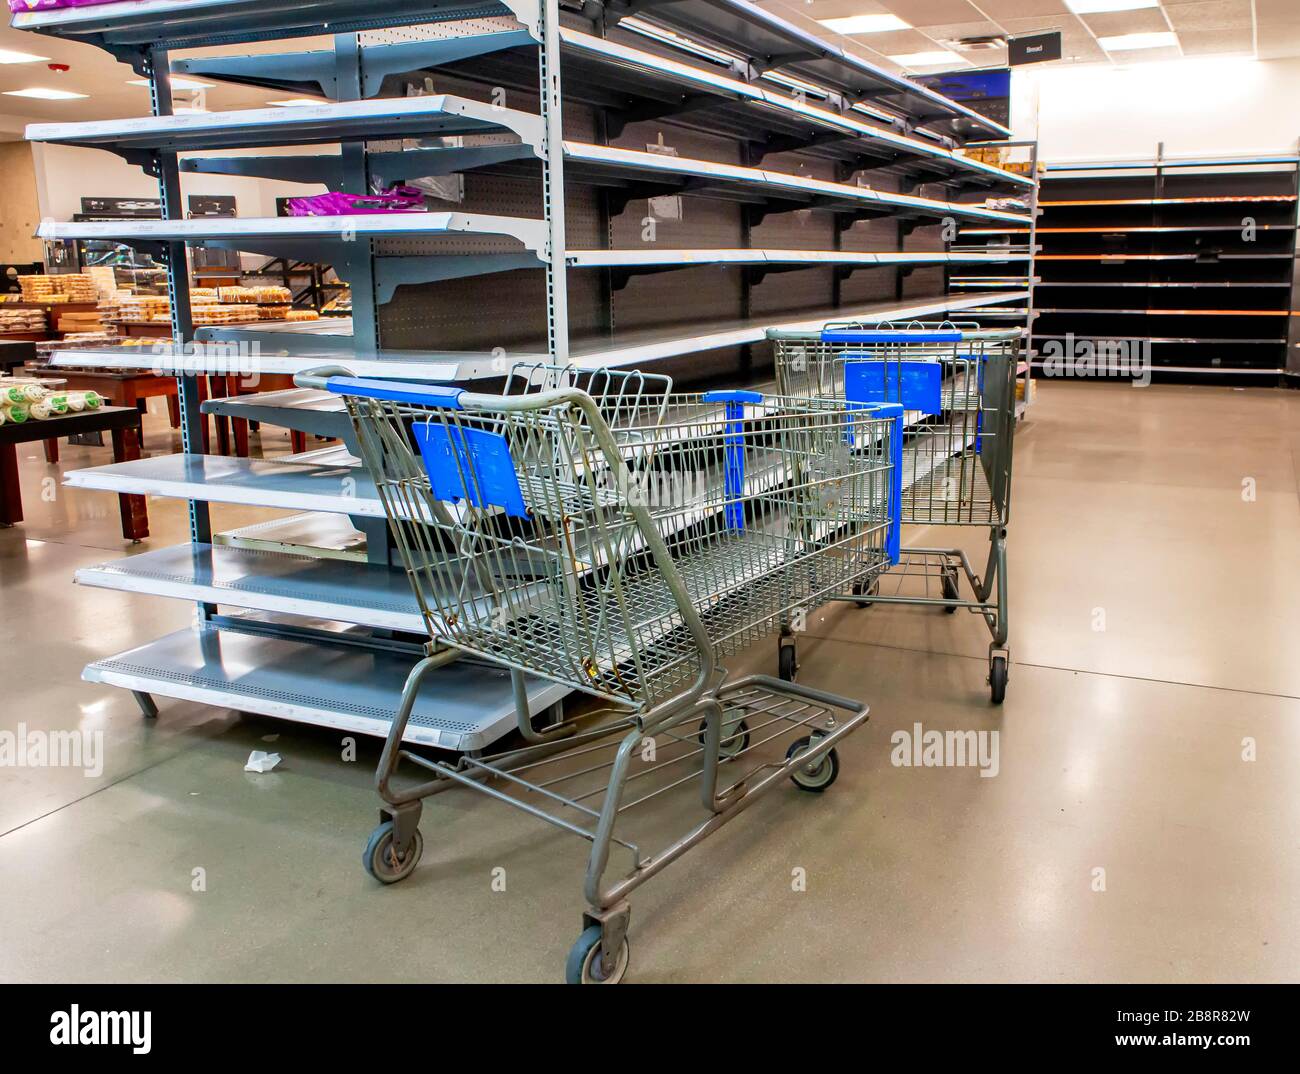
point(551, 103)
point(156, 61)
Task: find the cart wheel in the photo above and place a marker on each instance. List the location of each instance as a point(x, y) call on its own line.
point(581, 967)
point(866, 589)
point(735, 739)
point(951, 588)
point(787, 663)
point(820, 775)
point(381, 860)
point(998, 679)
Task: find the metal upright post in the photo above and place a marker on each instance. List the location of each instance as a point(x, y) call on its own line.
point(167, 170)
point(551, 104)
point(1032, 265)
point(358, 255)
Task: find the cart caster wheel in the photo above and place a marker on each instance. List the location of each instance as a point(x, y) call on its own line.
point(787, 663)
point(866, 589)
point(998, 679)
point(735, 739)
point(818, 777)
point(583, 966)
point(380, 858)
point(951, 589)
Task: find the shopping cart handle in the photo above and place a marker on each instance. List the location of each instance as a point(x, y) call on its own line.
point(858, 335)
point(393, 391)
point(733, 396)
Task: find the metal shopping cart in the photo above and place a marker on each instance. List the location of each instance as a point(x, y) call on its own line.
point(957, 386)
point(625, 551)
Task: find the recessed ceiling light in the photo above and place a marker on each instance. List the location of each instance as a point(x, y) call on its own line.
point(8, 55)
point(296, 102)
point(865, 24)
point(1121, 42)
point(937, 58)
point(44, 94)
point(1096, 7)
point(178, 82)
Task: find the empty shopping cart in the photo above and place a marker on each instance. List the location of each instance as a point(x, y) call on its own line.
point(956, 384)
point(625, 551)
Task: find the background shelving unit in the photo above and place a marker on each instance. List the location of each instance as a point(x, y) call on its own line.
point(1194, 256)
point(612, 189)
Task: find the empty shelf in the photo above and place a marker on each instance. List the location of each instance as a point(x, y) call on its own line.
point(219, 359)
point(768, 42)
point(401, 117)
point(464, 706)
point(332, 589)
point(344, 490)
point(192, 23)
point(531, 233)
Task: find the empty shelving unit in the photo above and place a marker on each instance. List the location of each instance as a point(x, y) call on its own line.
point(648, 185)
point(1193, 258)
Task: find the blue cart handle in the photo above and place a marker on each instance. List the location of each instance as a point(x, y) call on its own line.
point(851, 335)
point(431, 395)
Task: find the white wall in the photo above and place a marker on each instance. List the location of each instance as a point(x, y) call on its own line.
point(1196, 107)
point(66, 174)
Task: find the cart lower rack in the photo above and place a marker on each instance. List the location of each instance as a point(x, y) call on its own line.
point(625, 552)
point(956, 384)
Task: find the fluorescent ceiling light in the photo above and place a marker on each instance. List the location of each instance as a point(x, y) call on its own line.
point(865, 24)
point(41, 93)
point(937, 58)
point(8, 55)
point(1121, 42)
point(1096, 7)
point(178, 82)
point(296, 102)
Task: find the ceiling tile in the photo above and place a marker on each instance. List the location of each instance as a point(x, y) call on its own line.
point(954, 31)
point(1146, 55)
point(1276, 13)
point(1143, 21)
point(896, 42)
point(1209, 15)
point(1221, 42)
point(930, 12)
point(1279, 42)
point(824, 9)
point(1019, 9)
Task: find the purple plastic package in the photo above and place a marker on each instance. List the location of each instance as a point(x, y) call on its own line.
point(20, 6)
point(400, 199)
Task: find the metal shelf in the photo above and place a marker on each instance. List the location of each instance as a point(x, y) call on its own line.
point(765, 42)
point(464, 706)
point(615, 167)
point(630, 84)
point(133, 24)
point(344, 490)
point(218, 359)
point(359, 593)
point(531, 233)
point(191, 132)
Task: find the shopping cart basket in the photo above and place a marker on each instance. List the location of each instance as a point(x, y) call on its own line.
point(625, 562)
point(957, 386)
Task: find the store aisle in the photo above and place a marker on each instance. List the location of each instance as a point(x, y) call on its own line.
point(1120, 749)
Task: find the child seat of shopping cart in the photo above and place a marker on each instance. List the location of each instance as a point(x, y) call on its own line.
point(623, 543)
point(957, 385)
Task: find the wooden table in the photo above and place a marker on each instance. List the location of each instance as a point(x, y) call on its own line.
point(125, 389)
point(124, 425)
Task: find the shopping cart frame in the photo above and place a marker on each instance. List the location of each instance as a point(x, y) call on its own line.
point(940, 570)
point(706, 723)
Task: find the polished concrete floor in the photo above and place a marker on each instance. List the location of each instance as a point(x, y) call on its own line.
point(1155, 642)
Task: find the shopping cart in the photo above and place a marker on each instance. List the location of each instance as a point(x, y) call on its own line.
point(624, 551)
point(957, 386)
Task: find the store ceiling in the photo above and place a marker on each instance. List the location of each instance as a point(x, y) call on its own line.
point(1263, 29)
point(1250, 28)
